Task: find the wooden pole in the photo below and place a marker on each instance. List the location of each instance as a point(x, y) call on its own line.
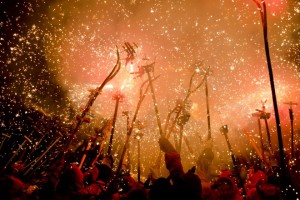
point(113, 125)
point(147, 69)
point(263, 9)
point(224, 130)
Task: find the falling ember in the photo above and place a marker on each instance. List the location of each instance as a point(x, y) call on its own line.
point(109, 86)
point(131, 69)
point(277, 6)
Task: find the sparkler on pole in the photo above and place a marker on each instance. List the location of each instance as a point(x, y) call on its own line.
point(180, 107)
point(78, 121)
point(129, 132)
point(148, 69)
point(207, 150)
point(263, 13)
point(291, 112)
point(128, 48)
point(143, 93)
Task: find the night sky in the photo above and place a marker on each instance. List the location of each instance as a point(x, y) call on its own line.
point(53, 53)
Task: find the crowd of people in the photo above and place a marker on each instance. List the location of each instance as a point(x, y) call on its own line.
point(66, 180)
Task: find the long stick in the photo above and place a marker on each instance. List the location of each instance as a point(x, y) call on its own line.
point(158, 160)
point(225, 131)
point(268, 134)
point(188, 145)
point(174, 123)
point(253, 144)
point(291, 113)
point(102, 144)
point(142, 97)
point(88, 147)
point(113, 125)
point(17, 151)
point(257, 115)
point(267, 162)
point(15, 154)
point(35, 147)
point(34, 162)
point(147, 69)
point(189, 93)
point(78, 121)
point(126, 113)
point(207, 110)
point(278, 126)
point(3, 141)
point(168, 119)
point(178, 109)
point(139, 161)
point(180, 138)
point(265, 116)
point(185, 139)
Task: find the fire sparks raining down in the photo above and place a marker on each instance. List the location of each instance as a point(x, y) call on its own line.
point(53, 54)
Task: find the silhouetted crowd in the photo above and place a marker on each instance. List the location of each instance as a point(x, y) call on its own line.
point(67, 181)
